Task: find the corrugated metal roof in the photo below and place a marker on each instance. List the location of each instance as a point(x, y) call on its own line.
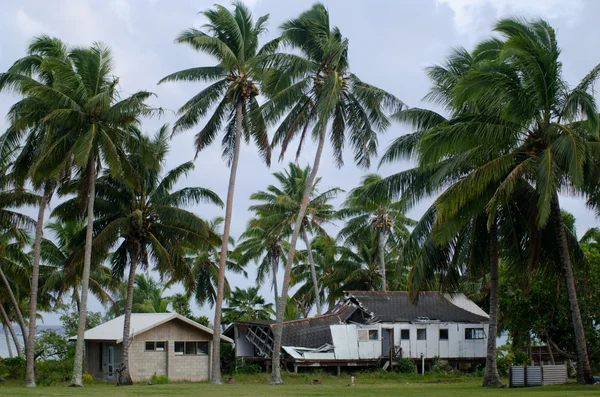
point(397, 306)
point(140, 322)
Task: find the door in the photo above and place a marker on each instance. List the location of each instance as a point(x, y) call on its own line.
point(110, 361)
point(387, 341)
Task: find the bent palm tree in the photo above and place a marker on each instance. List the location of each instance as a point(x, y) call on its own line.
point(317, 89)
point(233, 39)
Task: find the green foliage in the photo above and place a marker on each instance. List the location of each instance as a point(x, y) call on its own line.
point(70, 321)
point(203, 320)
point(51, 372)
point(248, 369)
point(439, 365)
point(247, 304)
point(159, 379)
point(51, 345)
point(87, 379)
point(12, 368)
point(406, 366)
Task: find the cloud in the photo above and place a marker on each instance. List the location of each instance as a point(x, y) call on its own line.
point(27, 24)
point(468, 13)
point(122, 10)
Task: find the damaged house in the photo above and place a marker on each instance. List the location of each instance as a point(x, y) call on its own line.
point(370, 328)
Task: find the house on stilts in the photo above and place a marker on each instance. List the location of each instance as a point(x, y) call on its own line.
point(370, 328)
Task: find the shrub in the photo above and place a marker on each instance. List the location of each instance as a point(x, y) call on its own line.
point(439, 365)
point(87, 379)
point(50, 372)
point(503, 364)
point(248, 369)
point(406, 366)
point(159, 379)
point(13, 368)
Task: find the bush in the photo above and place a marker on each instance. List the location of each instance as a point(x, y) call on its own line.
point(13, 368)
point(50, 372)
point(248, 369)
point(87, 379)
point(159, 379)
point(503, 364)
point(439, 365)
point(406, 366)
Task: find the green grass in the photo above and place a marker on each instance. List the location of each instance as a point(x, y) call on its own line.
point(299, 385)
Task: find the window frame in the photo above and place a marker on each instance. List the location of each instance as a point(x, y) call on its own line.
point(479, 332)
point(402, 331)
point(155, 347)
point(195, 344)
point(422, 331)
point(447, 334)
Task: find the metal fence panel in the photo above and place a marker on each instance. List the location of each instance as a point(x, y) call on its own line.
point(555, 374)
point(517, 377)
point(534, 376)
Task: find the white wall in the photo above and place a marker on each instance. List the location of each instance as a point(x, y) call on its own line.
point(348, 346)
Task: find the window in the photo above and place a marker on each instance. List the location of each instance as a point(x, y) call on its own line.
point(405, 334)
point(368, 334)
point(191, 348)
point(474, 333)
point(443, 334)
point(422, 334)
point(155, 346)
point(202, 347)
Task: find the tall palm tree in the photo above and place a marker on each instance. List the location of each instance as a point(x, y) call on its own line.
point(232, 37)
point(384, 216)
point(27, 128)
point(316, 89)
point(247, 305)
point(280, 208)
point(146, 222)
point(545, 132)
point(88, 126)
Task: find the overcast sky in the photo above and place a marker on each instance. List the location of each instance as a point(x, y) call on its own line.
point(391, 42)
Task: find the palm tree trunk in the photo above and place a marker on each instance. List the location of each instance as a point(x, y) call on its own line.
point(8, 344)
point(278, 331)
point(491, 376)
point(8, 324)
point(313, 272)
point(35, 273)
point(584, 371)
point(382, 237)
point(124, 375)
point(216, 349)
point(274, 263)
point(85, 278)
point(15, 305)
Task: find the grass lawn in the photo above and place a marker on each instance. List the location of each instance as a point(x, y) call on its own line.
point(299, 385)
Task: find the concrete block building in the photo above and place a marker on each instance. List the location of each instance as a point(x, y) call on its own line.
point(161, 343)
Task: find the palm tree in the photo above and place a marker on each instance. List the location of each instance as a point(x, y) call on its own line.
point(317, 89)
point(202, 268)
point(88, 126)
point(27, 126)
point(233, 39)
point(265, 247)
point(379, 213)
point(60, 276)
point(146, 222)
point(544, 131)
point(280, 207)
point(247, 305)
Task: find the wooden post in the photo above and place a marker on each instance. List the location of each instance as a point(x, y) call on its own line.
point(510, 378)
point(525, 374)
point(295, 368)
point(339, 370)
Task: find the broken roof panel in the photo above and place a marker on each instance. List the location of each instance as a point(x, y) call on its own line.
point(397, 306)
